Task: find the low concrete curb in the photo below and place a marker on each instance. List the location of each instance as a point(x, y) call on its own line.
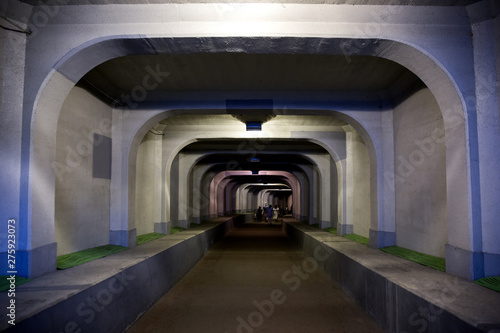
point(401, 296)
point(109, 294)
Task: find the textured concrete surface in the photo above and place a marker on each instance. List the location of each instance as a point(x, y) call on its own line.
point(106, 295)
point(401, 295)
point(255, 280)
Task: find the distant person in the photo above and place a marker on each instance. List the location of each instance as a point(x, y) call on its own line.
point(276, 213)
point(270, 214)
point(259, 214)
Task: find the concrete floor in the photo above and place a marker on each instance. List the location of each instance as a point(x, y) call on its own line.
point(255, 280)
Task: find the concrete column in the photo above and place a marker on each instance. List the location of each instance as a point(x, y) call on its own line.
point(319, 193)
point(221, 197)
point(316, 196)
point(186, 163)
point(483, 256)
point(172, 142)
point(160, 225)
point(304, 179)
point(357, 186)
point(333, 195)
point(12, 57)
point(247, 199)
point(321, 190)
point(239, 204)
point(173, 194)
point(348, 226)
point(200, 199)
point(251, 200)
point(382, 205)
point(240, 198)
point(122, 214)
point(206, 199)
point(230, 196)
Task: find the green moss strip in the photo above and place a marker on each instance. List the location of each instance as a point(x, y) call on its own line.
point(357, 238)
point(141, 239)
point(492, 282)
point(420, 258)
point(5, 284)
point(173, 230)
point(77, 258)
point(316, 225)
point(331, 230)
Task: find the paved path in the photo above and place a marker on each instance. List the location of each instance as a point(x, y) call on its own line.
point(253, 281)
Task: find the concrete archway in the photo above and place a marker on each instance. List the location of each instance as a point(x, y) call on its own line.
point(40, 194)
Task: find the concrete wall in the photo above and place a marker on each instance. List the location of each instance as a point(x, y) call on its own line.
point(12, 57)
point(81, 201)
point(420, 183)
point(145, 184)
point(361, 185)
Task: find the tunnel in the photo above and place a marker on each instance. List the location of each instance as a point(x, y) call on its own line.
point(369, 125)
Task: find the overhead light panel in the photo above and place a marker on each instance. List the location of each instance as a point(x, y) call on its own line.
point(254, 126)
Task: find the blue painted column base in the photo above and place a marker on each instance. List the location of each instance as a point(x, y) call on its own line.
point(31, 263)
point(163, 227)
point(127, 238)
point(325, 224)
point(344, 229)
point(464, 263)
point(379, 239)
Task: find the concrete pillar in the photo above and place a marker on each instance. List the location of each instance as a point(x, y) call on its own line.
point(160, 225)
point(316, 196)
point(200, 199)
point(321, 190)
point(382, 199)
point(206, 199)
point(348, 226)
point(183, 193)
point(221, 197)
point(240, 205)
point(303, 213)
point(483, 256)
point(12, 58)
point(247, 199)
point(175, 197)
point(122, 214)
point(251, 202)
point(172, 142)
point(230, 197)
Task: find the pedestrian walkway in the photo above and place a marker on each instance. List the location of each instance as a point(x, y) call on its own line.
point(255, 280)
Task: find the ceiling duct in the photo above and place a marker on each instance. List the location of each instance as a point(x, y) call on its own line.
point(252, 112)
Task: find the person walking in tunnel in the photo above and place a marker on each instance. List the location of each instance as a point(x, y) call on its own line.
point(276, 213)
point(259, 214)
point(270, 213)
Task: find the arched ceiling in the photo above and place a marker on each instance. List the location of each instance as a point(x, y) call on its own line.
point(353, 77)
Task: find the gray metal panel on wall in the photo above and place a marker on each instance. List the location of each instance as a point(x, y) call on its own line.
point(101, 162)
